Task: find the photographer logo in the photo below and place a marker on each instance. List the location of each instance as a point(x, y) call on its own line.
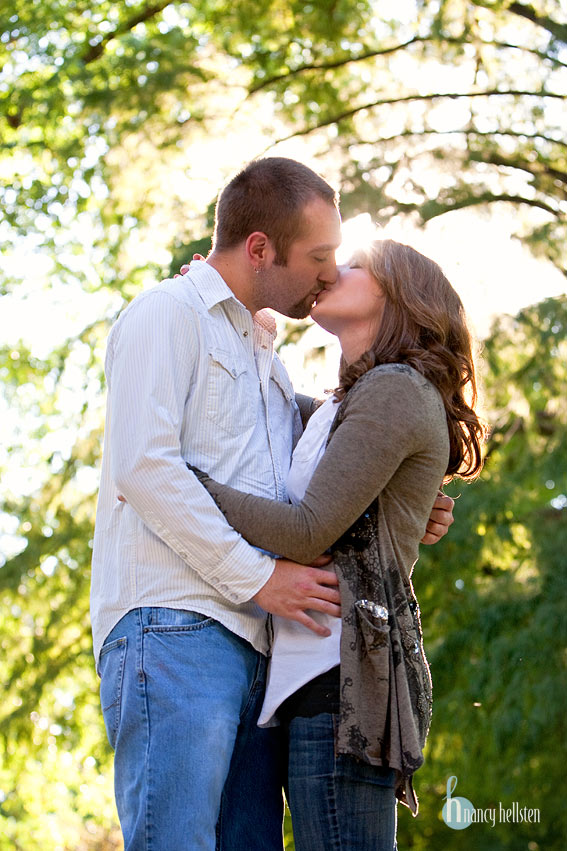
point(459, 813)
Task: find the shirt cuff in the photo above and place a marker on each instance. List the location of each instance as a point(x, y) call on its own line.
point(239, 577)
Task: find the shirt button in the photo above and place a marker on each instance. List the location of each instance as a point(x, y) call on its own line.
point(245, 333)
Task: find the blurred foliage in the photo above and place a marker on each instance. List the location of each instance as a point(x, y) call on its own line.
point(107, 113)
point(421, 108)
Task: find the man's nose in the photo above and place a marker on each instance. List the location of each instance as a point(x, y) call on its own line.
point(329, 273)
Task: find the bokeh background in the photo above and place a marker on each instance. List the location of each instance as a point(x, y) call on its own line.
point(443, 124)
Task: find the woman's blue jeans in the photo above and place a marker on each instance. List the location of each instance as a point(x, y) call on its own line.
point(337, 803)
point(180, 696)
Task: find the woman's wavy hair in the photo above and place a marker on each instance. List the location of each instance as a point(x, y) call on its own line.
point(424, 325)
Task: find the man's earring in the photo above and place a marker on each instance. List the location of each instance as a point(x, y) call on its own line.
point(258, 269)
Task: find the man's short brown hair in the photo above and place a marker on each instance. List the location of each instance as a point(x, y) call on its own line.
point(268, 195)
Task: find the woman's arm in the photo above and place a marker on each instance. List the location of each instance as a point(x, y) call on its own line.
point(383, 424)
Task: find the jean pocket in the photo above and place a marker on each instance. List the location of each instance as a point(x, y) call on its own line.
point(177, 620)
point(112, 661)
point(357, 771)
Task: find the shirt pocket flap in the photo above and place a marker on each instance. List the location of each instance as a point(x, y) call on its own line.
point(228, 361)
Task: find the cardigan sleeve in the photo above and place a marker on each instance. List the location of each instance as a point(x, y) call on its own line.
point(382, 425)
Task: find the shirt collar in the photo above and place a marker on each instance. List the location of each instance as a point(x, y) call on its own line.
point(213, 289)
point(210, 285)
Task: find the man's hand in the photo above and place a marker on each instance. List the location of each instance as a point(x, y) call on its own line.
point(293, 588)
point(440, 520)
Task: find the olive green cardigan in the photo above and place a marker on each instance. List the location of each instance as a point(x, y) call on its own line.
point(369, 501)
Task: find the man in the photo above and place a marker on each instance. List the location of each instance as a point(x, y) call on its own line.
point(178, 598)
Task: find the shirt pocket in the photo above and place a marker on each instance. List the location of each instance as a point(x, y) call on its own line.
point(231, 392)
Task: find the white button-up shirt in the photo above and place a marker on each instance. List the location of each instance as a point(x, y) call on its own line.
point(191, 376)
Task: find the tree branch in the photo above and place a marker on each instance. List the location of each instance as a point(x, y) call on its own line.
point(557, 30)
point(537, 169)
point(475, 201)
point(409, 98)
point(336, 63)
point(462, 132)
point(371, 54)
point(146, 14)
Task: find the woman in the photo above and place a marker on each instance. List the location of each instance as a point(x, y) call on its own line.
point(356, 705)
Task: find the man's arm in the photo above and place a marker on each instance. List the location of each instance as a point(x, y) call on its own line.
point(154, 354)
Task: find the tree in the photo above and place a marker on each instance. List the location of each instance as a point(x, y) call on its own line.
point(467, 95)
point(470, 93)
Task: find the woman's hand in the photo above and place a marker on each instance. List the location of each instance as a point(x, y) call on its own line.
point(185, 268)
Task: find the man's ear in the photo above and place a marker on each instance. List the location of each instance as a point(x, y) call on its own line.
point(259, 250)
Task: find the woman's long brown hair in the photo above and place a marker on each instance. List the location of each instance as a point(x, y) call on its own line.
point(424, 325)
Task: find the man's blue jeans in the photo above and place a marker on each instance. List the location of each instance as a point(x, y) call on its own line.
point(337, 803)
point(180, 696)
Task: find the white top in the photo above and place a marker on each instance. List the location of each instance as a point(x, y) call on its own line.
point(298, 654)
point(191, 376)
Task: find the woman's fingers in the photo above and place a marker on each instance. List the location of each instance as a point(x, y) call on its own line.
point(185, 268)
